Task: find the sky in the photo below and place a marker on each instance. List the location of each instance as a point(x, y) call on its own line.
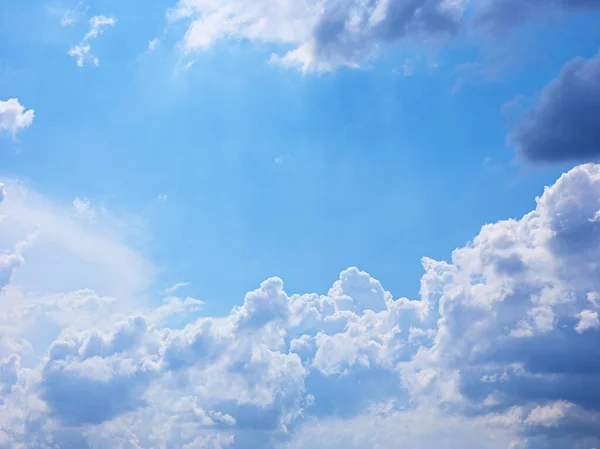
point(299, 224)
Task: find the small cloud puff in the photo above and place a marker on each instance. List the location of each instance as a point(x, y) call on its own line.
point(153, 44)
point(13, 116)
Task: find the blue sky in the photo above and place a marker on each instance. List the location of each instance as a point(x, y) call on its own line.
point(367, 154)
point(207, 160)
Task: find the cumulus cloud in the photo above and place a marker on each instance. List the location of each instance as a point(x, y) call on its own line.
point(499, 350)
point(511, 307)
point(82, 52)
point(320, 35)
point(564, 123)
point(13, 116)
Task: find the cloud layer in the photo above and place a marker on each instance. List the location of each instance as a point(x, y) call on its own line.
point(500, 347)
point(564, 123)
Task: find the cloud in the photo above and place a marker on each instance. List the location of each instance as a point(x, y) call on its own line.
point(564, 123)
point(13, 116)
point(68, 253)
point(588, 320)
point(83, 50)
point(499, 350)
point(71, 16)
point(82, 208)
point(175, 287)
point(153, 44)
point(548, 415)
point(500, 15)
point(511, 304)
point(321, 35)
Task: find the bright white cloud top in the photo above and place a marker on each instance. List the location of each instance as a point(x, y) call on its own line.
point(499, 351)
point(14, 118)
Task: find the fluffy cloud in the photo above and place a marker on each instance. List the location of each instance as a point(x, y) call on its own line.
point(82, 52)
point(499, 350)
point(13, 116)
point(322, 35)
point(564, 124)
point(516, 314)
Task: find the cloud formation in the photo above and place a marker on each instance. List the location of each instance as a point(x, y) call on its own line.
point(13, 116)
point(82, 52)
point(501, 15)
point(499, 348)
point(322, 35)
point(564, 123)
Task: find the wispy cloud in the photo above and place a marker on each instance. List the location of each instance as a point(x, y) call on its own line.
point(71, 16)
point(153, 44)
point(175, 287)
point(83, 50)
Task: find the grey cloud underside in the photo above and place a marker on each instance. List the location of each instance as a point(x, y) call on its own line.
point(325, 35)
point(501, 15)
point(564, 123)
point(343, 32)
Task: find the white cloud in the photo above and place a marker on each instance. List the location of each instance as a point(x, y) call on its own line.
point(83, 50)
point(153, 44)
point(531, 279)
point(71, 16)
point(13, 116)
point(83, 208)
point(587, 320)
point(321, 35)
point(352, 368)
point(175, 287)
point(548, 415)
point(69, 253)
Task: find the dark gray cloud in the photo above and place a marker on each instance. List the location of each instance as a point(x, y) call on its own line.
point(349, 31)
point(564, 124)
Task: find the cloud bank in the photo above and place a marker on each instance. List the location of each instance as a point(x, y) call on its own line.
point(499, 350)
